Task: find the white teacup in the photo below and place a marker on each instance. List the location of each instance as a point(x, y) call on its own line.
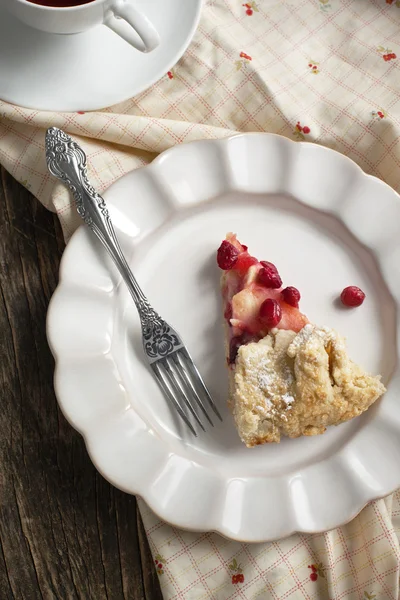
point(119, 15)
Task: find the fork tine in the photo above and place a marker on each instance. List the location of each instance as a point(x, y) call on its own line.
point(182, 366)
point(175, 382)
point(194, 371)
point(159, 375)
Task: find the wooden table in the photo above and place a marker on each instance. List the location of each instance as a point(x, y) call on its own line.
point(64, 531)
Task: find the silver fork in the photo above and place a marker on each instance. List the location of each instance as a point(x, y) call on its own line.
point(165, 351)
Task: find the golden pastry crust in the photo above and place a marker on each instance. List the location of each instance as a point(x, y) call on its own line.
point(297, 384)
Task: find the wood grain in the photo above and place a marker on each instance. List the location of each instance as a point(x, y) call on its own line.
point(65, 532)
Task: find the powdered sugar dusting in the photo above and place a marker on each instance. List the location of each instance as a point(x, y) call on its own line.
point(288, 399)
point(294, 384)
point(270, 367)
point(265, 380)
point(269, 373)
point(311, 336)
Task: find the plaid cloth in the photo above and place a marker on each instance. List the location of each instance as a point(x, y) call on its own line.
point(327, 71)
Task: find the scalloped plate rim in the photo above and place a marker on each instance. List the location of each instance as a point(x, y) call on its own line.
point(86, 435)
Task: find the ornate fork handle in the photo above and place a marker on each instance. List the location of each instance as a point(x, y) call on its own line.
point(67, 161)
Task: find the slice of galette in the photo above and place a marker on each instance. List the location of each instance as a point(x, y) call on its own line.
point(288, 377)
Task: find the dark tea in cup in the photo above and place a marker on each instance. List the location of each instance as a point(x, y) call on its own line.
point(65, 17)
point(60, 3)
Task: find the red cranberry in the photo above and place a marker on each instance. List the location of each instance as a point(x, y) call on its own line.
point(234, 579)
point(249, 12)
point(352, 296)
point(393, 55)
point(313, 576)
point(291, 295)
point(269, 275)
point(306, 129)
point(227, 255)
point(314, 67)
point(270, 313)
point(241, 578)
point(386, 57)
point(244, 262)
point(310, 65)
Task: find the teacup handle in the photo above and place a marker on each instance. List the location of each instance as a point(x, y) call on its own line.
point(125, 20)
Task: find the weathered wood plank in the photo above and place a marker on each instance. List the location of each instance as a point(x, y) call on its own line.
point(64, 531)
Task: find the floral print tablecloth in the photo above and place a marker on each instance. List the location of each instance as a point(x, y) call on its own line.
point(327, 71)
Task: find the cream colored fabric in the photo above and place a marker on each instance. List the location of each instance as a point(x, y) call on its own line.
point(320, 70)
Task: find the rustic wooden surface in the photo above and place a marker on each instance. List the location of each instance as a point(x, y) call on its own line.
point(64, 531)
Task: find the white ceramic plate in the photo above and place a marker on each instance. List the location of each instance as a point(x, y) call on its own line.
point(90, 70)
point(326, 225)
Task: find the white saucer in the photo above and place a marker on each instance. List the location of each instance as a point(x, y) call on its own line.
point(327, 225)
point(91, 70)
